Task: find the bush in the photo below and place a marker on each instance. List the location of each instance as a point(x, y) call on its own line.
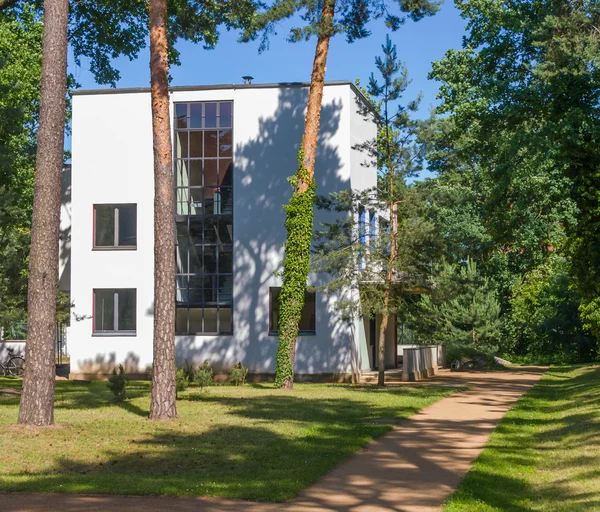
point(238, 374)
point(189, 371)
point(204, 375)
point(117, 383)
point(181, 380)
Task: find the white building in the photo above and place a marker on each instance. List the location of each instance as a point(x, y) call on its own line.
point(234, 146)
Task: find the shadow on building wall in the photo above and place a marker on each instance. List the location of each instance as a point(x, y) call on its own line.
point(261, 188)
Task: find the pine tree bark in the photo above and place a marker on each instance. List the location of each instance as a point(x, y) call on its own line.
point(37, 397)
point(315, 96)
point(389, 281)
point(162, 405)
point(299, 225)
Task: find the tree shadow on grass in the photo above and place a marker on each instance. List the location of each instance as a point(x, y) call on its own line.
point(553, 427)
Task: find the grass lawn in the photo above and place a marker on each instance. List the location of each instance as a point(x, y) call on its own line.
point(545, 454)
point(250, 442)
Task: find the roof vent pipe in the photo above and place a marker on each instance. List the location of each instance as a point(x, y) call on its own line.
point(247, 79)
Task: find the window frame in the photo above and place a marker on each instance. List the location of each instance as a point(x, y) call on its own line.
point(217, 210)
point(275, 332)
point(117, 332)
point(115, 219)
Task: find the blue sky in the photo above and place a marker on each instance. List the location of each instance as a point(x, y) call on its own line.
point(418, 45)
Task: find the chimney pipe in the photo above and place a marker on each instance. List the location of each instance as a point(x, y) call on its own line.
point(247, 79)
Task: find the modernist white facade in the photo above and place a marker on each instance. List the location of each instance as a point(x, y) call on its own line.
point(234, 146)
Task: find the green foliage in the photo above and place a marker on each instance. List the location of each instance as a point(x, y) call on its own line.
point(355, 260)
point(238, 374)
point(462, 310)
point(544, 316)
point(117, 383)
point(299, 225)
point(189, 371)
point(523, 101)
point(351, 18)
point(20, 71)
point(181, 380)
point(204, 375)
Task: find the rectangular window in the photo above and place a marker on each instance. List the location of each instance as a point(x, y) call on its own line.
point(362, 236)
point(203, 168)
point(372, 227)
point(308, 322)
point(115, 311)
point(115, 226)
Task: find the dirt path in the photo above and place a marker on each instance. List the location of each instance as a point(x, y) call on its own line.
point(413, 468)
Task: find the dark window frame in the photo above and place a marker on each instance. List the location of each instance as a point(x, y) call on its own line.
point(115, 219)
point(116, 331)
point(275, 332)
point(204, 213)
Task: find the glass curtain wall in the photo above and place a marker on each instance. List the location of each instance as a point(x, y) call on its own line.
point(204, 217)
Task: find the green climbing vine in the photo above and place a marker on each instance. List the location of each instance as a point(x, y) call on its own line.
point(299, 225)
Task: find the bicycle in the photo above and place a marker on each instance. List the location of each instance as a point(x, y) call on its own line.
point(14, 366)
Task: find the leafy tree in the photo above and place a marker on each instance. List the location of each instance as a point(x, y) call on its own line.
point(544, 315)
point(388, 258)
point(321, 20)
point(20, 70)
point(524, 90)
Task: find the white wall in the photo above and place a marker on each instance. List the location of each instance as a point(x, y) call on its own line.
point(112, 163)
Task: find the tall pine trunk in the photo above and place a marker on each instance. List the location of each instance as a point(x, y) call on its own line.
point(37, 398)
point(300, 213)
point(162, 405)
point(389, 281)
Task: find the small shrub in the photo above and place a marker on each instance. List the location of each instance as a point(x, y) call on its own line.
point(117, 383)
point(238, 374)
point(204, 375)
point(181, 380)
point(189, 371)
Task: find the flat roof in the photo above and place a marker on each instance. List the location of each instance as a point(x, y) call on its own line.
point(178, 88)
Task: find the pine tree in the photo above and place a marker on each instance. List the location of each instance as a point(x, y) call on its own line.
point(37, 399)
point(462, 311)
point(391, 261)
point(324, 19)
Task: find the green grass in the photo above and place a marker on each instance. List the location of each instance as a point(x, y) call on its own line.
point(545, 454)
point(251, 442)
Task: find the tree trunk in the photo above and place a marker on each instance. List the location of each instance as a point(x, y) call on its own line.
point(162, 405)
point(315, 95)
point(37, 398)
point(381, 342)
point(300, 213)
point(389, 280)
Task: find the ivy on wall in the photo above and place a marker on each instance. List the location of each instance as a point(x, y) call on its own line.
point(299, 225)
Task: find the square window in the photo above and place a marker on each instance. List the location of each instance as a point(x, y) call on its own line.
point(114, 311)
point(115, 226)
point(308, 322)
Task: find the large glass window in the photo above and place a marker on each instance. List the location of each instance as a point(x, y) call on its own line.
point(308, 324)
point(204, 217)
point(114, 311)
point(115, 226)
